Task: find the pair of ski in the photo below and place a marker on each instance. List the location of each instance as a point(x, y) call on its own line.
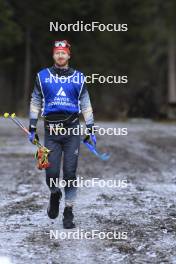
point(42, 153)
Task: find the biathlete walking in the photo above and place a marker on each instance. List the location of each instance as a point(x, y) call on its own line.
point(60, 103)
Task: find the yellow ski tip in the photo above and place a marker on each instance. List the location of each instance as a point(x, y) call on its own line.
point(6, 115)
point(13, 115)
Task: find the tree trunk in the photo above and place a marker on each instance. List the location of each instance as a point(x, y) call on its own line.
point(27, 72)
point(171, 79)
point(171, 72)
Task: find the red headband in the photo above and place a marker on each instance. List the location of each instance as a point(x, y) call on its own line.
point(61, 45)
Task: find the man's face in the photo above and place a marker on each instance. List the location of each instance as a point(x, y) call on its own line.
point(61, 58)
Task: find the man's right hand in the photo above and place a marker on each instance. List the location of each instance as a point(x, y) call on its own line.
point(33, 135)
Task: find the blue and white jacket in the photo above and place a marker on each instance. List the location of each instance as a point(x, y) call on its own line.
point(60, 91)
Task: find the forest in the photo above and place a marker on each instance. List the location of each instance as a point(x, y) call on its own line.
point(143, 50)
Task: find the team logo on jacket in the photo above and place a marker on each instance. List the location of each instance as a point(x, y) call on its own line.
point(61, 99)
point(61, 92)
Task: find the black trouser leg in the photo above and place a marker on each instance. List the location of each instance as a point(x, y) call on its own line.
point(53, 172)
point(71, 148)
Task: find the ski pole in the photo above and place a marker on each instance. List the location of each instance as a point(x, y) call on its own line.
point(19, 124)
point(92, 147)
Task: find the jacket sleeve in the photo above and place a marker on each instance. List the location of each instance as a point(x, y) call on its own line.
point(85, 106)
point(35, 103)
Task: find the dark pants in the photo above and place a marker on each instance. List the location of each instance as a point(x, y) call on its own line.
point(68, 145)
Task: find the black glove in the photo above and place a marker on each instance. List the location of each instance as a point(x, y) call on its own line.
point(90, 132)
point(33, 134)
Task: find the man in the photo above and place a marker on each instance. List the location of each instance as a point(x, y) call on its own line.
point(61, 99)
